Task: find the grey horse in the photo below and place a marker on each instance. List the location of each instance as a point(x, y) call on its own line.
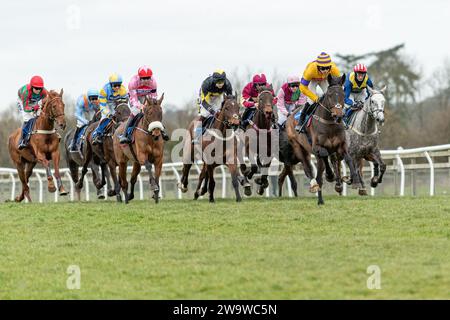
point(363, 134)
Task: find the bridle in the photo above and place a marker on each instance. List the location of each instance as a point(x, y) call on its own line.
point(51, 115)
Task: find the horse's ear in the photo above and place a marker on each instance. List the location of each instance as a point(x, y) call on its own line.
point(343, 79)
point(161, 99)
point(370, 90)
point(61, 92)
point(382, 90)
point(329, 78)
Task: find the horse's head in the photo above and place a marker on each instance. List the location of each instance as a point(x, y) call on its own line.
point(153, 116)
point(122, 111)
point(230, 111)
point(333, 99)
point(265, 101)
point(53, 108)
point(376, 104)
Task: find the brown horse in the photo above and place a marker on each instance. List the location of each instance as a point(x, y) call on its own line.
point(103, 153)
point(145, 150)
point(43, 146)
point(260, 126)
point(77, 159)
point(294, 148)
point(328, 136)
point(216, 137)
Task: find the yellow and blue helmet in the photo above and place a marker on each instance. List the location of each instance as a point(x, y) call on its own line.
point(115, 78)
point(219, 76)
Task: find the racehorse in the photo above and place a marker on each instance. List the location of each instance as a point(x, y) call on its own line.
point(76, 159)
point(145, 150)
point(93, 154)
point(295, 148)
point(328, 137)
point(260, 124)
point(43, 145)
point(227, 118)
point(363, 135)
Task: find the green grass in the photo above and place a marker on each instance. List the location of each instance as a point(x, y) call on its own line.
point(258, 249)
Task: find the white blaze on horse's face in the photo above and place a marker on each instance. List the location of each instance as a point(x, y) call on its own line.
point(377, 102)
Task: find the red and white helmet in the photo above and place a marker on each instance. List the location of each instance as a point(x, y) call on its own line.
point(293, 79)
point(360, 68)
point(37, 82)
point(145, 72)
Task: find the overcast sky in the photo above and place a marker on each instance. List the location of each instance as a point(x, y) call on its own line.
point(77, 44)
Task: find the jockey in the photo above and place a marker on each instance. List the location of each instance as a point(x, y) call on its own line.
point(111, 93)
point(250, 97)
point(29, 103)
point(209, 102)
point(316, 74)
point(87, 105)
point(141, 85)
point(356, 91)
point(289, 97)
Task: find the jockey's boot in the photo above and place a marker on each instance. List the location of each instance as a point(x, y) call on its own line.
point(98, 133)
point(73, 144)
point(198, 132)
point(23, 142)
point(275, 121)
point(124, 137)
point(246, 117)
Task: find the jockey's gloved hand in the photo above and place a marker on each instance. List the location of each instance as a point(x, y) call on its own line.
point(359, 105)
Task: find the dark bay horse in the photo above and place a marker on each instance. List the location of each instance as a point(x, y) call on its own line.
point(147, 149)
point(217, 148)
point(77, 159)
point(260, 127)
point(94, 153)
point(294, 149)
point(328, 136)
point(43, 146)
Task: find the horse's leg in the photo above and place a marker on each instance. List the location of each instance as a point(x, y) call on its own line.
point(337, 169)
point(281, 179)
point(320, 170)
point(202, 180)
point(378, 162)
point(362, 191)
point(253, 170)
point(234, 180)
point(41, 157)
point(158, 170)
point(22, 176)
point(292, 180)
point(133, 179)
point(355, 181)
point(183, 184)
point(84, 169)
point(205, 184)
point(212, 183)
point(243, 180)
point(329, 175)
point(122, 182)
point(113, 173)
point(28, 172)
point(154, 186)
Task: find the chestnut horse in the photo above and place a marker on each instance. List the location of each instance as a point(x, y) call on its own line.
point(228, 117)
point(147, 149)
point(43, 145)
point(328, 136)
point(260, 124)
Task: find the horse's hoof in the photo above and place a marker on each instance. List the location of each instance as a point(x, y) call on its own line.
point(258, 181)
point(119, 198)
point(248, 190)
point(196, 196)
point(362, 192)
point(63, 192)
point(374, 182)
point(238, 199)
point(260, 191)
point(265, 184)
point(18, 199)
point(111, 193)
point(212, 200)
point(101, 197)
point(155, 197)
point(130, 196)
point(51, 189)
point(181, 187)
point(338, 188)
point(314, 186)
point(320, 202)
point(356, 185)
point(346, 179)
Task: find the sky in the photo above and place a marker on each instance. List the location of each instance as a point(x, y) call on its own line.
point(75, 45)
